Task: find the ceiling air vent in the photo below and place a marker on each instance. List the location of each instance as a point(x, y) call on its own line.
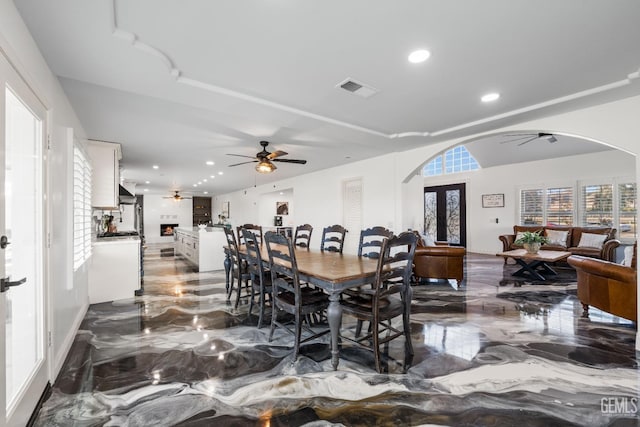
point(357, 88)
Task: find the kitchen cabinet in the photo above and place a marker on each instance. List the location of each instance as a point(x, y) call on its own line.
point(114, 271)
point(203, 249)
point(201, 210)
point(105, 161)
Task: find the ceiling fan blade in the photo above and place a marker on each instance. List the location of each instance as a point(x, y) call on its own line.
point(243, 163)
point(276, 153)
point(528, 140)
point(241, 155)
point(301, 162)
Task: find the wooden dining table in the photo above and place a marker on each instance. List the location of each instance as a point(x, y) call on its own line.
point(333, 273)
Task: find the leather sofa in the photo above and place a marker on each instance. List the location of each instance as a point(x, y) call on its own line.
point(438, 262)
point(606, 252)
point(606, 285)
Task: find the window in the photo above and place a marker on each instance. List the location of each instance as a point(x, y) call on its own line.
point(542, 206)
point(81, 208)
point(611, 204)
point(457, 159)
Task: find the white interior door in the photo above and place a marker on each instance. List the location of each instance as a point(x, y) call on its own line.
point(23, 308)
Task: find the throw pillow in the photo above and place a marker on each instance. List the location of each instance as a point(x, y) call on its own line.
point(556, 237)
point(519, 234)
point(590, 240)
point(628, 256)
point(427, 240)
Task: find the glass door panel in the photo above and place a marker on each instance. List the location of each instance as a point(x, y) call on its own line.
point(445, 213)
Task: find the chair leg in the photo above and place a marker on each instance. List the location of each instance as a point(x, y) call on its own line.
point(231, 283)
point(253, 295)
point(274, 314)
point(358, 328)
point(260, 308)
point(376, 346)
point(296, 348)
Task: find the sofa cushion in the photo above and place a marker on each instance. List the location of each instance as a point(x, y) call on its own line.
point(576, 234)
point(588, 252)
point(592, 240)
point(557, 238)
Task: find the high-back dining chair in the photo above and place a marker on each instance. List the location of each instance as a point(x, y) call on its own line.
point(260, 276)
point(390, 297)
point(255, 229)
point(303, 235)
point(238, 270)
point(371, 241)
point(333, 238)
point(288, 296)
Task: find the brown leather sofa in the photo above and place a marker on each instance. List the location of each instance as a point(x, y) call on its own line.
point(438, 262)
point(607, 252)
point(606, 285)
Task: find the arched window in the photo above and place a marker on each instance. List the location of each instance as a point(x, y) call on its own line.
point(455, 160)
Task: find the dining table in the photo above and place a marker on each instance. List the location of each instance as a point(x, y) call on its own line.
point(333, 273)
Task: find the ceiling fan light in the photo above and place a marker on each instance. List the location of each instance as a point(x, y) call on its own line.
point(265, 167)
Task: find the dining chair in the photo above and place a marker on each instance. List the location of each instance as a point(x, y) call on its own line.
point(260, 277)
point(255, 229)
point(302, 236)
point(371, 241)
point(238, 271)
point(333, 238)
point(288, 296)
point(388, 298)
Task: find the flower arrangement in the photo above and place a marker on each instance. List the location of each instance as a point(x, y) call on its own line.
point(531, 237)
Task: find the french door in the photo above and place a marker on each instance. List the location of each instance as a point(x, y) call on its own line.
point(445, 213)
point(23, 300)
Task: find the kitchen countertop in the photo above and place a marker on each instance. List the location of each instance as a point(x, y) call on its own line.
point(116, 239)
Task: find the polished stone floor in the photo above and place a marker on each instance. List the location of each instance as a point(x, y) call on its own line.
point(494, 351)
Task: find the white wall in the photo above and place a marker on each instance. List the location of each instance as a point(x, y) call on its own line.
point(267, 208)
point(482, 229)
point(67, 289)
point(158, 210)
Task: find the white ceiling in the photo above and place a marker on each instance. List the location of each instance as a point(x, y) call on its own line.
point(178, 83)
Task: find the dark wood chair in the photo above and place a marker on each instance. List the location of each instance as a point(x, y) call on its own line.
point(302, 237)
point(255, 229)
point(260, 276)
point(238, 271)
point(371, 241)
point(288, 295)
point(333, 238)
point(389, 297)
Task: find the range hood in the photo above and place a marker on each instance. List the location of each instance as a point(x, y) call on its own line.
point(126, 198)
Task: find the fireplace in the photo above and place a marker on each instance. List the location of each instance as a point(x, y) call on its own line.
point(167, 229)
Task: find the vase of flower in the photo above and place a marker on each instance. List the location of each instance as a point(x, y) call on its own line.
point(531, 241)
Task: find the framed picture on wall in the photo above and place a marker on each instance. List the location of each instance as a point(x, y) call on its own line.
point(225, 209)
point(282, 208)
point(493, 200)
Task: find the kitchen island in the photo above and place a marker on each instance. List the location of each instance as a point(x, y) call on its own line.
point(203, 248)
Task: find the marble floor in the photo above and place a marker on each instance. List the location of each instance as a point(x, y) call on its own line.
point(493, 351)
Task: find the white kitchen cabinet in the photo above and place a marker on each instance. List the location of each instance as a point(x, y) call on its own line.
point(114, 271)
point(105, 161)
point(204, 249)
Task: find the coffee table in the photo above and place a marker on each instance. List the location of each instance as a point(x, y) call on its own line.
point(535, 265)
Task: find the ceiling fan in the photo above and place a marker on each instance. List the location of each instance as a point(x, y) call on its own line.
point(528, 137)
point(177, 197)
point(265, 159)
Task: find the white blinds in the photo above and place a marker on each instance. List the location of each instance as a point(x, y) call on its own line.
point(597, 204)
point(560, 206)
point(81, 208)
point(532, 207)
point(627, 196)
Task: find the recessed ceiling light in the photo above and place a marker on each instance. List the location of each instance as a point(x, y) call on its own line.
point(490, 97)
point(156, 166)
point(210, 163)
point(418, 56)
point(281, 193)
point(212, 176)
point(206, 192)
point(147, 182)
point(220, 173)
point(195, 185)
point(146, 189)
point(204, 179)
point(199, 182)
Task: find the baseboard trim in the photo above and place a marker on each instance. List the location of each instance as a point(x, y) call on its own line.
point(43, 397)
point(61, 356)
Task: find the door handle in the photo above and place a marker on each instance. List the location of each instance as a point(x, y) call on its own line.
point(6, 283)
point(4, 241)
